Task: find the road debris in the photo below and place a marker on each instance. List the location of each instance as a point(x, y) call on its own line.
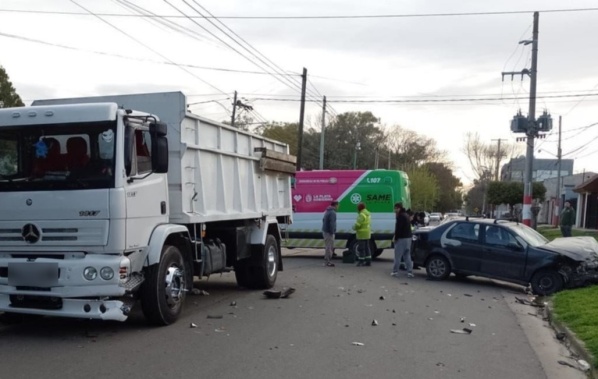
point(382, 297)
point(462, 319)
point(357, 344)
point(196, 291)
point(585, 366)
point(468, 295)
point(461, 331)
point(561, 336)
point(374, 323)
point(472, 324)
point(565, 363)
point(283, 294)
point(233, 303)
point(215, 316)
point(192, 325)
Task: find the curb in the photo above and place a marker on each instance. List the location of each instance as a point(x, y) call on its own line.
point(575, 345)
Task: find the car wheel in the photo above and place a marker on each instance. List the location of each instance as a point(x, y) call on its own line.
point(546, 282)
point(438, 267)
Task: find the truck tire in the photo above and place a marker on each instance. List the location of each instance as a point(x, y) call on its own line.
point(261, 270)
point(163, 292)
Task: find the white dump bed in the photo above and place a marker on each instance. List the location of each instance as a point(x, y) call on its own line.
point(216, 172)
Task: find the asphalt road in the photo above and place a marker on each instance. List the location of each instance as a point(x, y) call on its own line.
point(311, 334)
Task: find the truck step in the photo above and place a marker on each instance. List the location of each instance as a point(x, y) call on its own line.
point(134, 282)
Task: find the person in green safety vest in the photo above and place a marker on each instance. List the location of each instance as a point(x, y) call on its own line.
point(363, 233)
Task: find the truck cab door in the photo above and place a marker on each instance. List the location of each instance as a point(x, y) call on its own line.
point(146, 192)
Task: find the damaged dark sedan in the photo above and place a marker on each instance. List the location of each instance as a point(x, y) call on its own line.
point(507, 251)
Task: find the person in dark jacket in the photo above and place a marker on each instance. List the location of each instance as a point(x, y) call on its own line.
point(328, 231)
point(402, 241)
point(567, 219)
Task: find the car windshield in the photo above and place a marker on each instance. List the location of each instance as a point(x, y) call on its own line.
point(529, 235)
point(63, 157)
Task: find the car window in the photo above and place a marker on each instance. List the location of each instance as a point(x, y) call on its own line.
point(465, 231)
point(498, 236)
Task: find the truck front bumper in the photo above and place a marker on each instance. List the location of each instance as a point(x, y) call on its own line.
point(58, 287)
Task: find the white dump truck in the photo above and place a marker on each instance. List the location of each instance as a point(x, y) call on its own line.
point(107, 201)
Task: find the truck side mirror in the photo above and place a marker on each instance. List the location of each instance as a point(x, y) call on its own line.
point(158, 132)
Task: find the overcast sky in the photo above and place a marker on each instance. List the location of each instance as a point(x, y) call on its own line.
point(49, 52)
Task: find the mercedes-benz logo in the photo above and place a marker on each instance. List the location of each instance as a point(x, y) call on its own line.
point(30, 233)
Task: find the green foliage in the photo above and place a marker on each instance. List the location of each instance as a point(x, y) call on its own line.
point(8, 94)
point(552, 233)
point(283, 132)
point(450, 196)
point(578, 309)
point(425, 191)
point(511, 193)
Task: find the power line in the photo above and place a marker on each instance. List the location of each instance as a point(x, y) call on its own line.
point(315, 17)
point(147, 47)
point(167, 62)
point(449, 100)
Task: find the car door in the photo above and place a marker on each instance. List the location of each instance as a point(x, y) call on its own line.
point(504, 257)
point(464, 246)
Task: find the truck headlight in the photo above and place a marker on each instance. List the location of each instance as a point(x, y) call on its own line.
point(106, 273)
point(90, 273)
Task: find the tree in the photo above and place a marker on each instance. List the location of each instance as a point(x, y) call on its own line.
point(511, 193)
point(283, 132)
point(450, 196)
point(424, 189)
point(484, 157)
point(8, 94)
point(408, 148)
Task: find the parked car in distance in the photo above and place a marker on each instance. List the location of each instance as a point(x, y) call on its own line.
point(435, 216)
point(507, 251)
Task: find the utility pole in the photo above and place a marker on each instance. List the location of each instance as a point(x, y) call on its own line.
point(498, 156)
point(301, 117)
point(557, 196)
point(531, 132)
point(322, 133)
point(232, 119)
point(529, 125)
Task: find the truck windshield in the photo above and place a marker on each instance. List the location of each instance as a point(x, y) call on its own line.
point(57, 157)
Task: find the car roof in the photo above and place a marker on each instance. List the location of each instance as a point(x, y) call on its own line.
point(486, 221)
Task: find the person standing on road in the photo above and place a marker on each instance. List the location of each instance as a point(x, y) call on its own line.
point(328, 230)
point(363, 233)
point(567, 219)
point(402, 241)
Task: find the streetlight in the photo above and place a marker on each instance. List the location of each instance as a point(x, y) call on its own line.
point(357, 147)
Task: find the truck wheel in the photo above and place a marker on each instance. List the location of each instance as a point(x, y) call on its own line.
point(377, 252)
point(267, 269)
point(261, 270)
point(163, 292)
point(438, 267)
point(243, 273)
point(546, 282)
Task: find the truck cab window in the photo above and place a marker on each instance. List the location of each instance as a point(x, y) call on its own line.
point(143, 151)
point(8, 157)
